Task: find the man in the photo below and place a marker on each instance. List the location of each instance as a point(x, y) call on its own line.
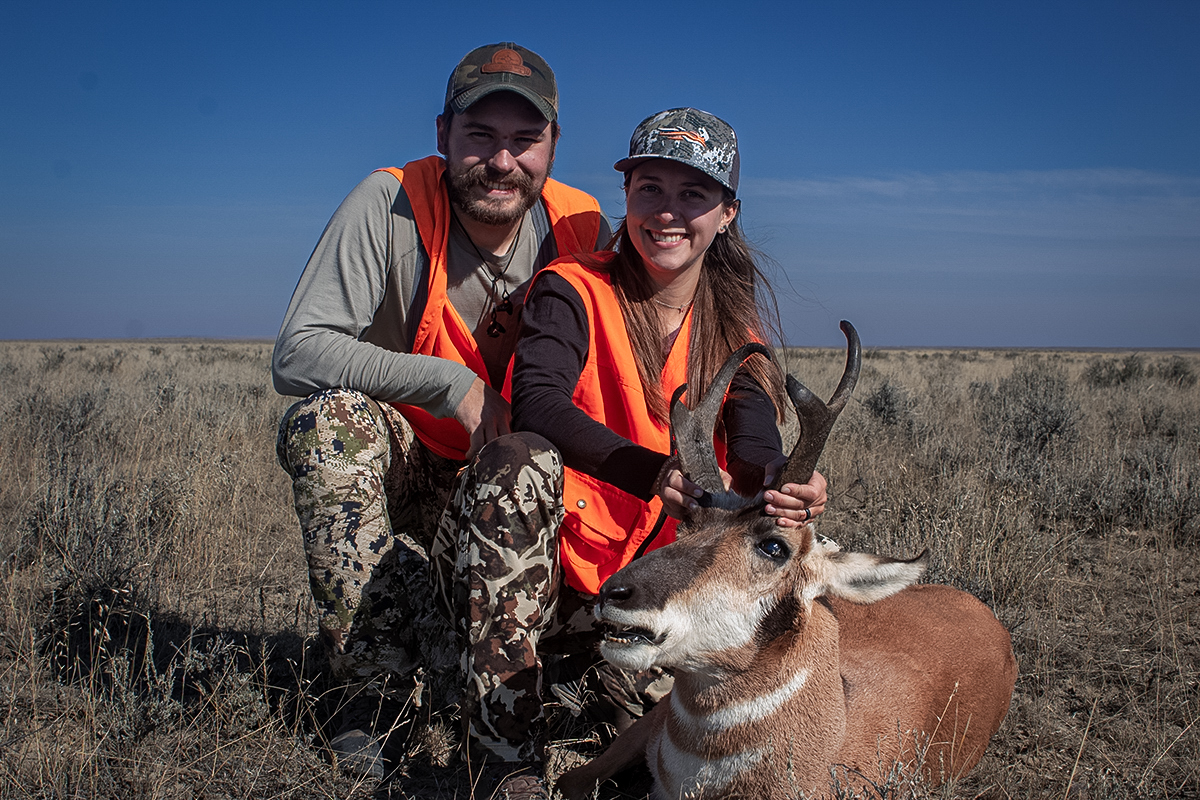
point(400, 336)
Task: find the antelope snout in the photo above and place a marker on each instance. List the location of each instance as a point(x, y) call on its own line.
point(615, 593)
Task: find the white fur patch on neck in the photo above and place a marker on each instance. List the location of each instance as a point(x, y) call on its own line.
point(743, 713)
point(689, 776)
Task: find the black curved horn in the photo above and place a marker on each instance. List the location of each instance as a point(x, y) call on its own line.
point(692, 430)
point(817, 418)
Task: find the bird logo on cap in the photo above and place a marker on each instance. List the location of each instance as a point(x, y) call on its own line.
point(680, 134)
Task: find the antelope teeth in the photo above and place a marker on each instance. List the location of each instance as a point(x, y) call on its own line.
point(620, 635)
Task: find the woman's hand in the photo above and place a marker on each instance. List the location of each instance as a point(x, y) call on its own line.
point(794, 504)
point(679, 495)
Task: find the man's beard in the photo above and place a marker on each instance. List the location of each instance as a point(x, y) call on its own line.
point(489, 212)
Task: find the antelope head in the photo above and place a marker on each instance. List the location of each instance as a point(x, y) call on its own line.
point(734, 579)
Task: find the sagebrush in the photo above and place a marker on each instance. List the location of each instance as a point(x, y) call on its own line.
point(155, 632)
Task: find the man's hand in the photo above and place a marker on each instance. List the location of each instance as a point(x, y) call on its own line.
point(485, 415)
point(794, 504)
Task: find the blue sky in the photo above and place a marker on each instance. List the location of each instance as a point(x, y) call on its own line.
point(971, 174)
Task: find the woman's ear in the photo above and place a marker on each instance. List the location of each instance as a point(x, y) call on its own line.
point(730, 214)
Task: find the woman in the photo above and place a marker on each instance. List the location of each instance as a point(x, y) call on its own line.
point(669, 305)
point(606, 339)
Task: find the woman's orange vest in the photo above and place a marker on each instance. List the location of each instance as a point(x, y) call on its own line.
point(575, 220)
point(603, 527)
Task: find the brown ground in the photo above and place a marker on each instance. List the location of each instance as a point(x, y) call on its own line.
point(155, 624)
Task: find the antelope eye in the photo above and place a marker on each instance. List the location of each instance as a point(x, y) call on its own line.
point(774, 548)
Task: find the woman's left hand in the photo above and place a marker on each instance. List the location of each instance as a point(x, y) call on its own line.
point(794, 504)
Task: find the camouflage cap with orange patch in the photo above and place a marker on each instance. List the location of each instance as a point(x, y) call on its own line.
point(504, 67)
point(690, 136)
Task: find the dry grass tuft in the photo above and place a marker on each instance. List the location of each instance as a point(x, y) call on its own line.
point(155, 619)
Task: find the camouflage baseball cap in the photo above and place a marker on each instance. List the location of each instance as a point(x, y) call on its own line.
point(503, 67)
point(690, 136)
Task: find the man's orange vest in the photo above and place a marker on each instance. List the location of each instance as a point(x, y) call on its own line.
point(575, 220)
point(603, 526)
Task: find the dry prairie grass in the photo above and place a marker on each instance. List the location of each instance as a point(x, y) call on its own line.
point(155, 622)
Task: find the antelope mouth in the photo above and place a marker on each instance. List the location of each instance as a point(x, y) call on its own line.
point(629, 636)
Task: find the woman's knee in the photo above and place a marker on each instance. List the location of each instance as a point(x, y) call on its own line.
point(511, 498)
point(509, 457)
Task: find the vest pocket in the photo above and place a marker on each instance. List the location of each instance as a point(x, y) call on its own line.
point(597, 530)
point(599, 513)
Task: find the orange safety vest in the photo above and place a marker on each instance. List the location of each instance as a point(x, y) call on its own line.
point(603, 527)
point(575, 220)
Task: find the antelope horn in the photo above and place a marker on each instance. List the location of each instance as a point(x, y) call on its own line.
point(692, 430)
point(817, 418)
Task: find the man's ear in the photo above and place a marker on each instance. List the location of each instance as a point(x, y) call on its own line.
point(443, 131)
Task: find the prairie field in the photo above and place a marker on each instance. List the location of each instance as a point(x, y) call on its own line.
point(157, 639)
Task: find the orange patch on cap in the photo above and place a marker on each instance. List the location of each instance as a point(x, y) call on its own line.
point(507, 61)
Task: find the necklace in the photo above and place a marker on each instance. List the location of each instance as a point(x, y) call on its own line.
point(680, 309)
point(495, 330)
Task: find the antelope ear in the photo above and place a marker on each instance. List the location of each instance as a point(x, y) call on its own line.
point(864, 577)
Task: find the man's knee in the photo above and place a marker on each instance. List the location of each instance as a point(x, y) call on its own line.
point(332, 426)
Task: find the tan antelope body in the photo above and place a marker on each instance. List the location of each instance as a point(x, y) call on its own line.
point(792, 659)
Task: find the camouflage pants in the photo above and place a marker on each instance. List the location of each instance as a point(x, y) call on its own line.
point(416, 565)
point(513, 607)
point(368, 497)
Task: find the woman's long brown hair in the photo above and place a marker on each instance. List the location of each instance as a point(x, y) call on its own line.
point(727, 312)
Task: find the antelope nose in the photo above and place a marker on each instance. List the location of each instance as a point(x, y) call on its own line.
point(615, 594)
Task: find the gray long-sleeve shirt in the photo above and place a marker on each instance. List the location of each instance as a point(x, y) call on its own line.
point(352, 316)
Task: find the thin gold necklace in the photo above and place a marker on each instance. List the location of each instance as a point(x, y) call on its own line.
point(680, 309)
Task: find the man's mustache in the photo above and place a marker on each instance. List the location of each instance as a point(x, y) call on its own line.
point(478, 176)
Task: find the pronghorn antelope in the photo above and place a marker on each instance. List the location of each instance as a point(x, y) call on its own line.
point(795, 664)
